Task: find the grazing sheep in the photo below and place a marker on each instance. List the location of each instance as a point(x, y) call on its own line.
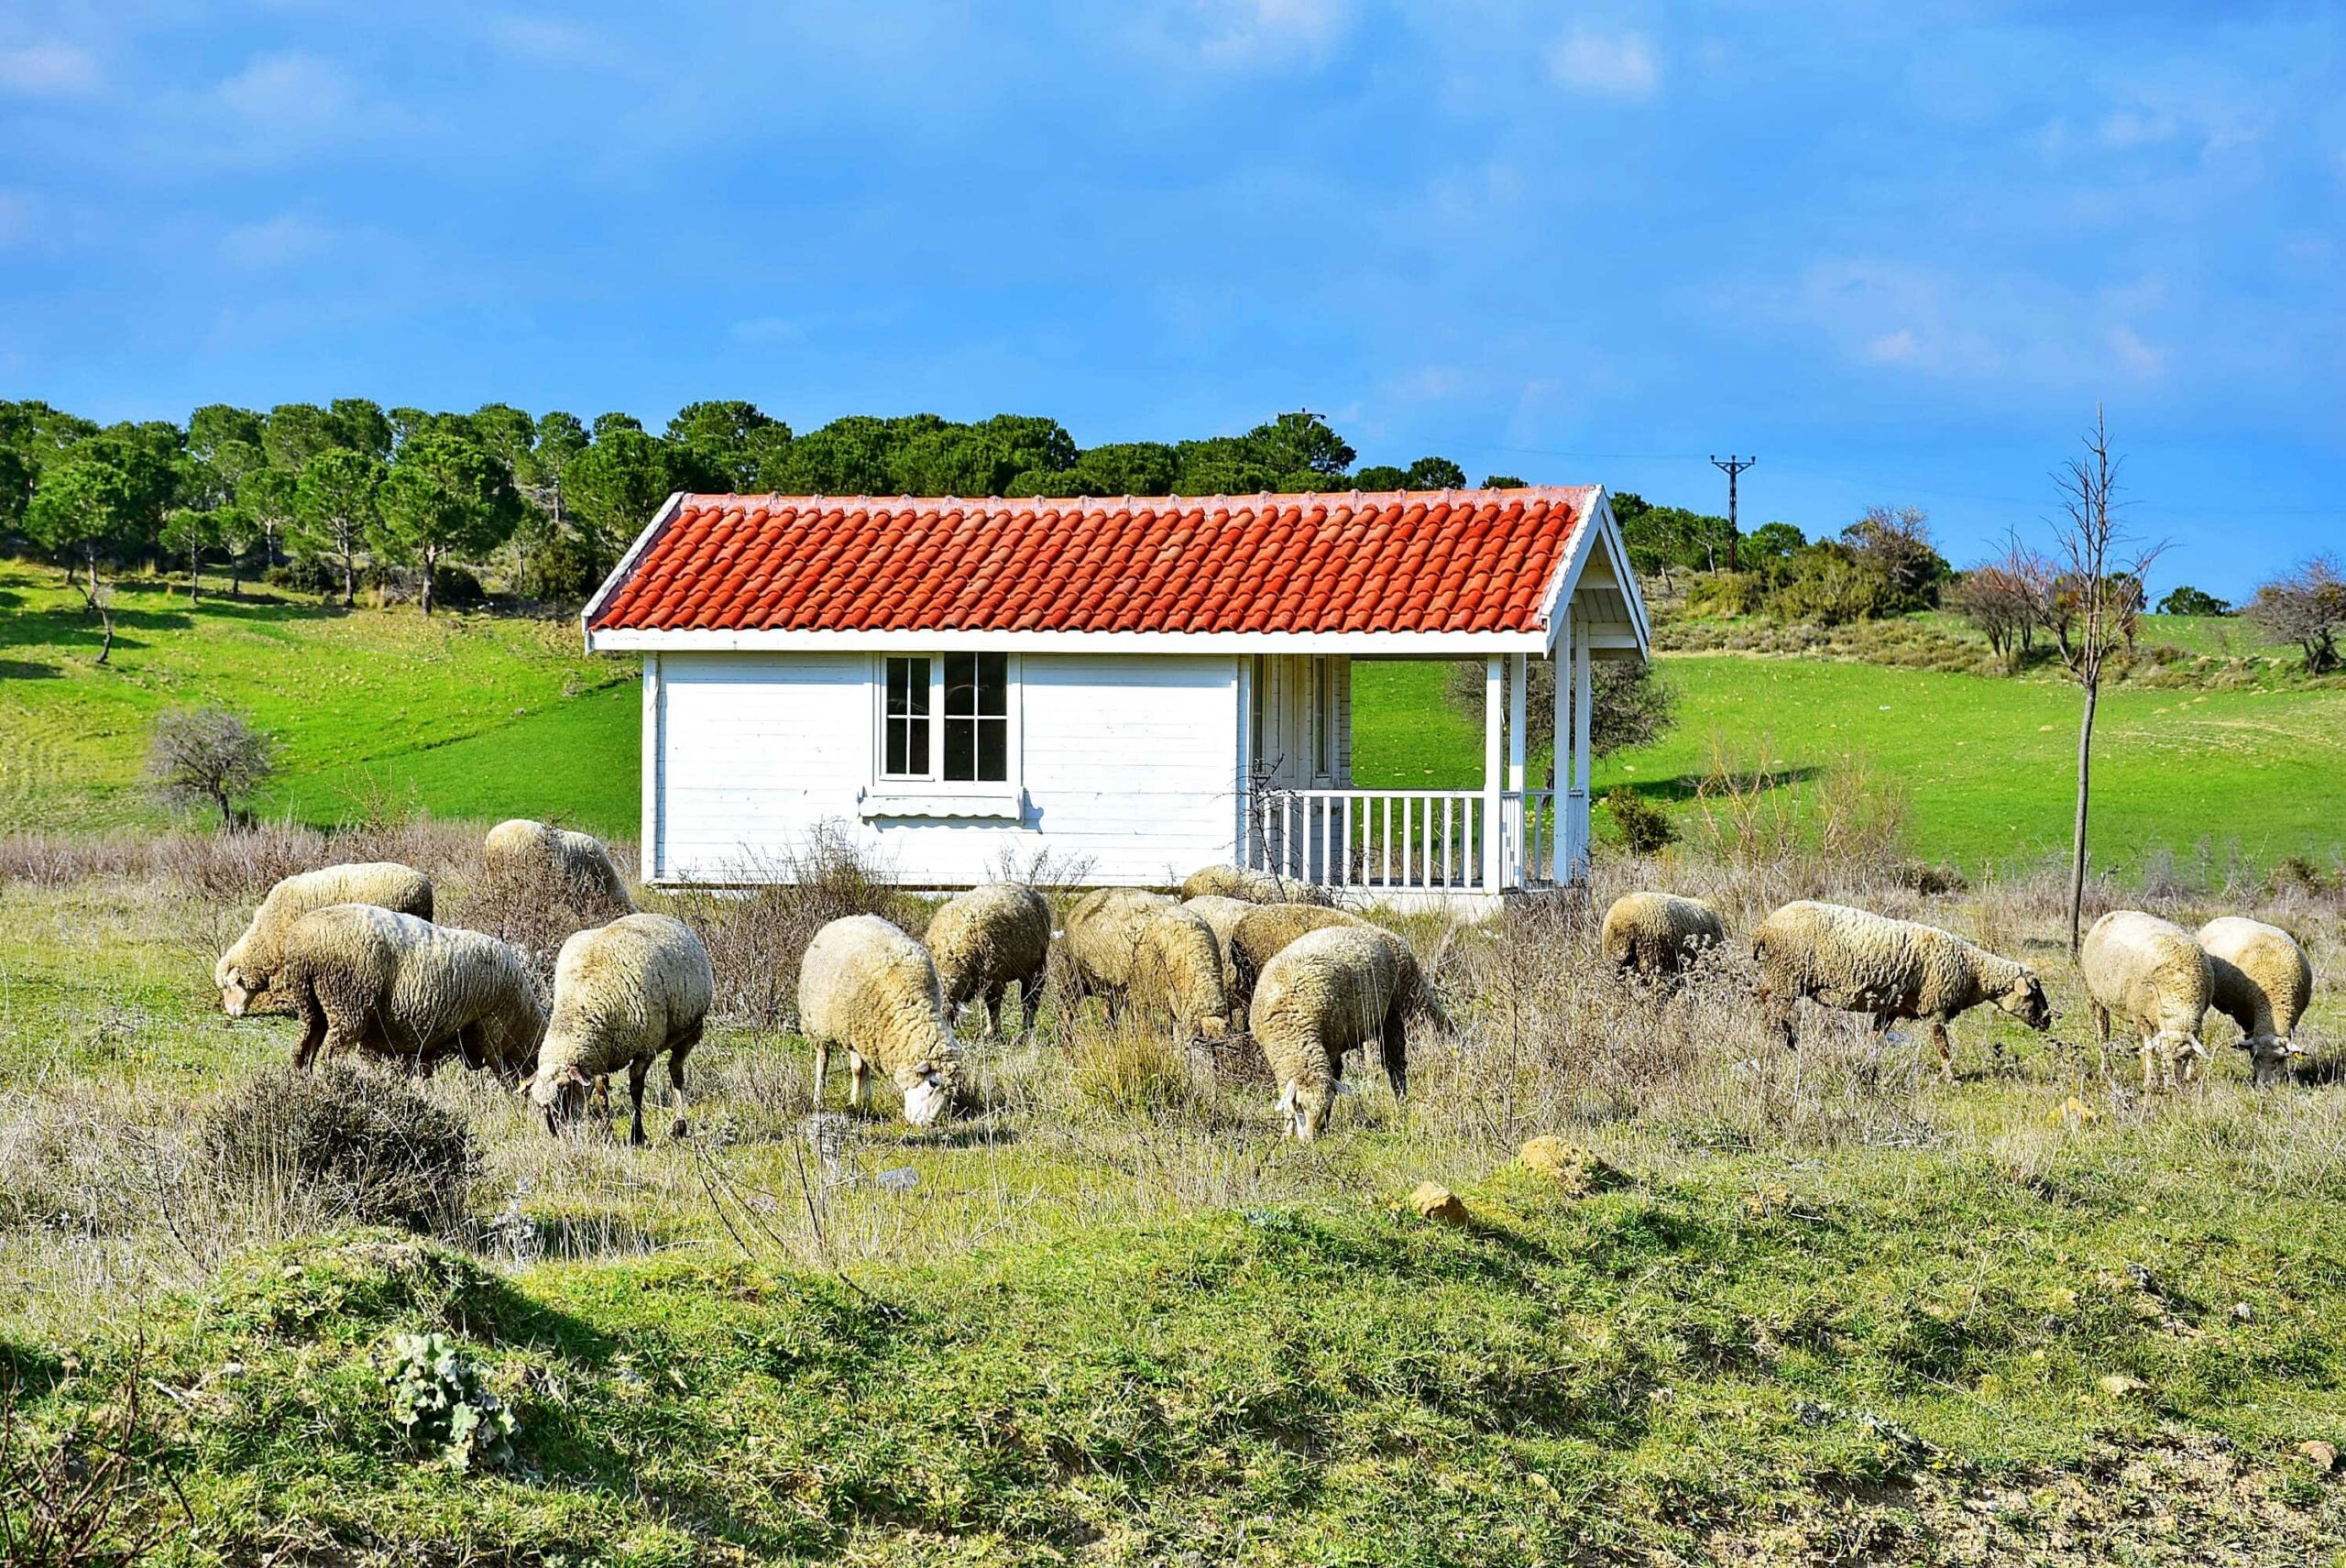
point(2150, 973)
point(2263, 981)
point(624, 993)
point(1658, 934)
point(1259, 935)
point(398, 989)
point(868, 987)
point(1221, 916)
point(1862, 962)
point(577, 861)
point(1249, 886)
point(986, 939)
point(1321, 994)
point(1178, 968)
point(249, 965)
point(1102, 936)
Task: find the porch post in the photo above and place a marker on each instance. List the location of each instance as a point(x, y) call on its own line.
point(1583, 700)
point(1493, 711)
point(1561, 856)
point(1519, 827)
point(1243, 774)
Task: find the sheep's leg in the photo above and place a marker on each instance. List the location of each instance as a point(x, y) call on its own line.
point(677, 1051)
point(637, 1070)
point(858, 1077)
point(822, 1069)
point(1030, 1001)
point(314, 1028)
point(1394, 1049)
point(997, 997)
point(1946, 1050)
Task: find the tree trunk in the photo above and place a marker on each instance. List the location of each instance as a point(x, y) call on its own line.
point(194, 566)
point(349, 582)
point(2078, 843)
point(427, 582)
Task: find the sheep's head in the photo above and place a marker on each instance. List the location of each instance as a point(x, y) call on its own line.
point(561, 1094)
point(239, 988)
point(929, 1086)
point(1304, 1108)
point(2025, 1000)
point(2270, 1058)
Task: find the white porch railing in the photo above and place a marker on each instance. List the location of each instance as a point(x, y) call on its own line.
point(1408, 840)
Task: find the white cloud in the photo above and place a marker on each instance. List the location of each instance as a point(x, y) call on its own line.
point(1619, 65)
point(1271, 32)
point(2135, 355)
point(287, 90)
point(1899, 347)
point(281, 241)
point(540, 40)
point(48, 71)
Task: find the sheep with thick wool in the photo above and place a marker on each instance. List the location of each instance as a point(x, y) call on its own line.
point(1251, 886)
point(1262, 932)
point(623, 994)
point(866, 987)
point(2264, 982)
point(578, 862)
point(1857, 961)
point(1141, 950)
point(247, 966)
point(1321, 995)
point(1221, 916)
point(986, 940)
point(398, 989)
point(1657, 935)
point(2151, 974)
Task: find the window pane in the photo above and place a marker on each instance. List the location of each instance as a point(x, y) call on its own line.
point(917, 690)
point(960, 684)
point(899, 673)
point(993, 685)
point(993, 749)
point(960, 749)
point(896, 763)
point(916, 744)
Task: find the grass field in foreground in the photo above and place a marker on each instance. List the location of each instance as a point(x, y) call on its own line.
point(487, 717)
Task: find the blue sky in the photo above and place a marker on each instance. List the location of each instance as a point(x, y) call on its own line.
point(1897, 250)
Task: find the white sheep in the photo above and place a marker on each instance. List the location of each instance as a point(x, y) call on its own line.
point(624, 993)
point(1859, 961)
point(1260, 935)
point(869, 988)
point(398, 989)
point(577, 861)
point(2264, 982)
point(1221, 916)
point(247, 965)
point(1658, 934)
point(2150, 973)
point(1252, 886)
point(988, 940)
point(1101, 937)
point(1178, 968)
point(1321, 995)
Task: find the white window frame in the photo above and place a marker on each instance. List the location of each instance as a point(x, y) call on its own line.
point(934, 794)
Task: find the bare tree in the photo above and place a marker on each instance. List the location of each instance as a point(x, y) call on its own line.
point(208, 755)
point(2093, 582)
point(1996, 599)
point(2307, 607)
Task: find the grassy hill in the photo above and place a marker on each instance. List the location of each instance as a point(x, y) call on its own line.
point(485, 716)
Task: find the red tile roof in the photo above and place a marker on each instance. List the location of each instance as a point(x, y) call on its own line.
point(1450, 561)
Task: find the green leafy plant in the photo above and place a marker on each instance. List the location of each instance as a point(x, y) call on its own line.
point(1643, 825)
point(439, 1402)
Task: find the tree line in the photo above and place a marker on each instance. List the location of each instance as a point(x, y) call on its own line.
point(331, 495)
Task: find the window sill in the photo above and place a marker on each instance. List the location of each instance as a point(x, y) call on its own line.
point(999, 802)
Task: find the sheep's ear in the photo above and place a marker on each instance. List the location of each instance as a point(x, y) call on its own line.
point(1288, 1097)
point(571, 1074)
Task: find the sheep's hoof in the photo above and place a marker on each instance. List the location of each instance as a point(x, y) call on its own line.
point(676, 1128)
point(635, 1138)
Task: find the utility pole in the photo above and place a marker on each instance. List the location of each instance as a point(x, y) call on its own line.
point(1732, 467)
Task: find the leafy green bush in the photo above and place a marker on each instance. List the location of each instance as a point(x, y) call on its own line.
point(438, 1400)
point(1643, 825)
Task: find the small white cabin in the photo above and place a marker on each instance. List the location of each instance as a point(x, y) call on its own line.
point(1138, 686)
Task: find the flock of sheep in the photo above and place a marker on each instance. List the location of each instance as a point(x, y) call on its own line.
point(351, 950)
point(2158, 979)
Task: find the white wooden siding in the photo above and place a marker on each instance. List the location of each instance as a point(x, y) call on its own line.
point(1126, 763)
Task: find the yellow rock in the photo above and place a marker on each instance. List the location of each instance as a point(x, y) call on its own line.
point(2324, 1455)
point(1434, 1202)
point(1562, 1161)
point(2118, 1385)
point(2073, 1112)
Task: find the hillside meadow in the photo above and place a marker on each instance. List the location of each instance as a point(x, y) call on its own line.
point(477, 717)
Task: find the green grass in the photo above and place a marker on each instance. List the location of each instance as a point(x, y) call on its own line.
point(1989, 765)
point(468, 715)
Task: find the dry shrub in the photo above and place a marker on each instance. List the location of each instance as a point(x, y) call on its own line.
point(757, 935)
point(1131, 1067)
point(1849, 826)
point(341, 1145)
point(83, 1496)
